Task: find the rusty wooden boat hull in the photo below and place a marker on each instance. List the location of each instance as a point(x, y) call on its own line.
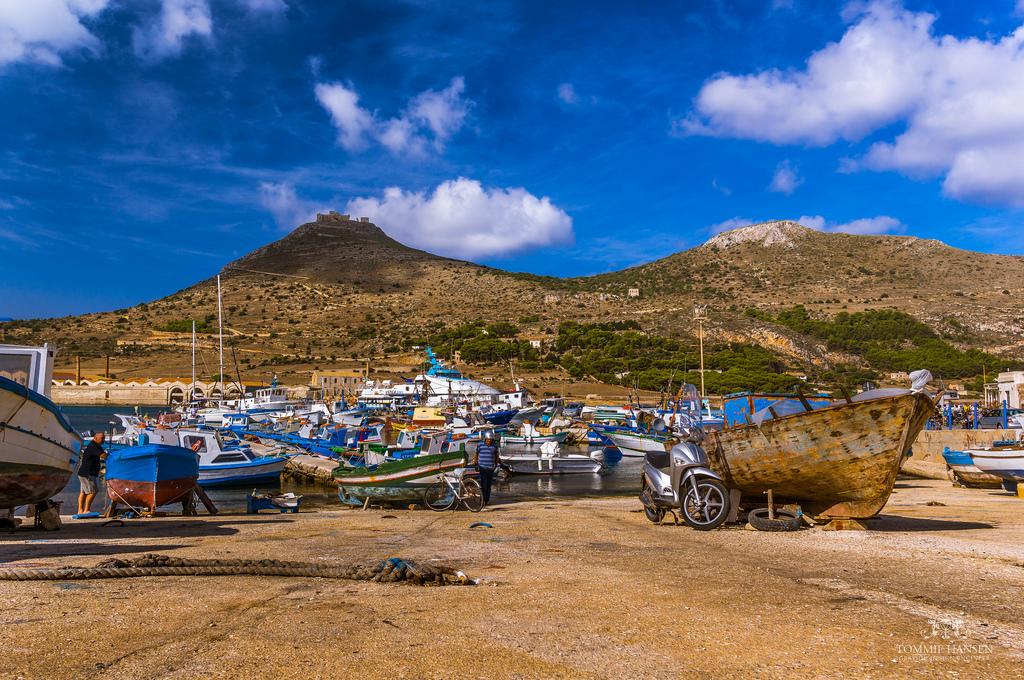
point(837, 461)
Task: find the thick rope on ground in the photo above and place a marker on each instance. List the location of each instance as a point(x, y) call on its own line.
point(391, 570)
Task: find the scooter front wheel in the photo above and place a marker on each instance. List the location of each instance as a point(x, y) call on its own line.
point(705, 504)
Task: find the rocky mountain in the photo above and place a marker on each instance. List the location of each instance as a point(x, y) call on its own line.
point(337, 250)
point(339, 288)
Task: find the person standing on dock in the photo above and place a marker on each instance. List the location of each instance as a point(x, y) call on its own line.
point(486, 463)
point(89, 472)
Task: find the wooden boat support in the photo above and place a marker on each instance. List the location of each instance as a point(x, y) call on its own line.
point(837, 461)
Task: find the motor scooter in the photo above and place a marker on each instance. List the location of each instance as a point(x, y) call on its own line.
point(682, 479)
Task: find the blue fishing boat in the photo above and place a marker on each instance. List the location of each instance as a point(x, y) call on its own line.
point(151, 475)
point(499, 418)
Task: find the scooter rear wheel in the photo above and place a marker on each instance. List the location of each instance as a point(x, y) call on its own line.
point(651, 511)
point(709, 509)
point(656, 515)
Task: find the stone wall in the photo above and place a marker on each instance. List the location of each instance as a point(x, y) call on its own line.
point(98, 395)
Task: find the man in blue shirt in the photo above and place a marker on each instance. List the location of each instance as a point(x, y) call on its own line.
point(486, 463)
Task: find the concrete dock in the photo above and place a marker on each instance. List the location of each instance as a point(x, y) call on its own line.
point(573, 588)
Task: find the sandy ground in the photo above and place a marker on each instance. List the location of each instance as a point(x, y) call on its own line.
point(580, 588)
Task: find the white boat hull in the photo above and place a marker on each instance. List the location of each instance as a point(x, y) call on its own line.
point(1006, 464)
point(38, 450)
point(256, 471)
point(552, 465)
point(634, 446)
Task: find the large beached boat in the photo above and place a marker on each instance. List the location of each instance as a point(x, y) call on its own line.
point(838, 460)
point(38, 446)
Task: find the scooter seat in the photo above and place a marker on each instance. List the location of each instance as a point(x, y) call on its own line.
point(659, 459)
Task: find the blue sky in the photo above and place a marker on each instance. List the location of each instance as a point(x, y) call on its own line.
point(145, 144)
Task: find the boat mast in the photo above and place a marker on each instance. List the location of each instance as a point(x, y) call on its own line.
point(700, 315)
point(220, 333)
point(192, 390)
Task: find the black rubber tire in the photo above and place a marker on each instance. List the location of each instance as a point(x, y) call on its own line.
point(784, 520)
point(654, 514)
point(722, 495)
point(439, 497)
point(472, 495)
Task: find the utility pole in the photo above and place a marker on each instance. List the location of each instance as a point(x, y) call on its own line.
point(700, 315)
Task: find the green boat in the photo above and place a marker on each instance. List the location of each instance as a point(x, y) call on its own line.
point(399, 480)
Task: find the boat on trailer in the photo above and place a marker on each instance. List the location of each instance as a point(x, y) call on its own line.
point(836, 461)
point(146, 477)
point(38, 447)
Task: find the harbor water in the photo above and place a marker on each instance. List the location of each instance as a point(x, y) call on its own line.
point(621, 478)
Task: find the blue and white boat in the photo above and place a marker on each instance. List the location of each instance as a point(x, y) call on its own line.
point(224, 460)
point(38, 446)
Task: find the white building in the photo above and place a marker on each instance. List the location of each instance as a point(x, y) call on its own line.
point(1011, 385)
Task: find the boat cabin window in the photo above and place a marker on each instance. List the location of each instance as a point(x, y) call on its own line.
point(16, 367)
point(230, 458)
point(190, 443)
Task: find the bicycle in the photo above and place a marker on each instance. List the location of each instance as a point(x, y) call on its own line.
point(453, 490)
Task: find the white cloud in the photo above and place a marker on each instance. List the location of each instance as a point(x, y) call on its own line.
point(442, 112)
point(960, 101)
point(352, 120)
point(720, 188)
point(786, 180)
point(178, 20)
point(462, 218)
point(288, 209)
point(41, 30)
point(567, 93)
point(439, 114)
point(882, 224)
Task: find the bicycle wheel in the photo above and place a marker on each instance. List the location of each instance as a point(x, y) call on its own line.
point(439, 497)
point(472, 495)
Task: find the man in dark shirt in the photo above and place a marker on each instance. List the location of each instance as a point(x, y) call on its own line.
point(89, 472)
point(486, 462)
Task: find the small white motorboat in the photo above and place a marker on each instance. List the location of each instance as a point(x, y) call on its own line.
point(549, 459)
point(1003, 459)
